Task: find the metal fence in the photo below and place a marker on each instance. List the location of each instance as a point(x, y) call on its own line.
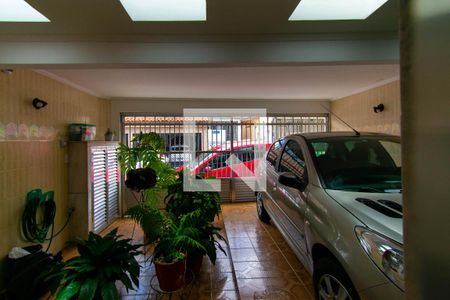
point(217, 139)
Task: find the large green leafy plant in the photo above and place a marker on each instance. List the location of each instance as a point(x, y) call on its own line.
point(180, 202)
point(209, 237)
point(102, 262)
point(203, 207)
point(172, 236)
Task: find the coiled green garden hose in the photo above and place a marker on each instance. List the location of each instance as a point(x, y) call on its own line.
point(33, 230)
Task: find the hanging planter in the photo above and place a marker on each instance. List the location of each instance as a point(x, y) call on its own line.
point(141, 179)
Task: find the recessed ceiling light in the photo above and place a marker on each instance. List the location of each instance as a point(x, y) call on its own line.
point(165, 10)
point(19, 11)
point(335, 9)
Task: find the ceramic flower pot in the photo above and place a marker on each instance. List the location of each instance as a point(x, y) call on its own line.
point(171, 276)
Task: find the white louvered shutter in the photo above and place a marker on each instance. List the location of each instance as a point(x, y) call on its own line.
point(112, 184)
point(105, 186)
point(99, 195)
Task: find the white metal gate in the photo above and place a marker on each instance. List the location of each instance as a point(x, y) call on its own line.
point(217, 140)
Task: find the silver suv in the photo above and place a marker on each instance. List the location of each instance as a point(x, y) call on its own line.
point(336, 198)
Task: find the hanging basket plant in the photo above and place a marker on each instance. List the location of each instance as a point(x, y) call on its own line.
point(145, 170)
point(141, 179)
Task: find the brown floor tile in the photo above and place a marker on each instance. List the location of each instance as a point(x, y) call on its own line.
point(236, 232)
point(293, 261)
point(262, 269)
point(261, 240)
point(223, 282)
point(244, 254)
point(239, 242)
point(272, 288)
point(305, 277)
point(225, 295)
point(203, 281)
point(222, 266)
point(269, 255)
point(206, 265)
point(196, 295)
point(310, 288)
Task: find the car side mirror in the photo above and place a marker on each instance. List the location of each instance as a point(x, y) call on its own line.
point(290, 180)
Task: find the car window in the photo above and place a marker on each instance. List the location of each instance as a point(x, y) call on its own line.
point(292, 160)
point(361, 164)
point(274, 152)
point(367, 153)
point(245, 154)
point(219, 161)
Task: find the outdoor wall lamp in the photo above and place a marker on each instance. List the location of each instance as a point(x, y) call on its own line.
point(7, 71)
point(38, 103)
point(378, 108)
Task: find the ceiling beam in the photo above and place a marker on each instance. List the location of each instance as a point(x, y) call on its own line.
point(107, 54)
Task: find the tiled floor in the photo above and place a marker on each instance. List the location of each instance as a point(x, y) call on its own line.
point(265, 266)
point(259, 264)
point(213, 282)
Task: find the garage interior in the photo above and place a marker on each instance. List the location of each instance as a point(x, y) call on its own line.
point(93, 65)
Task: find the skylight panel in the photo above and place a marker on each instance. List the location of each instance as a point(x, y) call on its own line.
point(308, 10)
point(165, 10)
point(19, 11)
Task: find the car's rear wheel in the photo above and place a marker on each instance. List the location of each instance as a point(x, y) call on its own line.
point(262, 213)
point(332, 282)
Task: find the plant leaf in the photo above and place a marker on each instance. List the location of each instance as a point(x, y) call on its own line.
point(126, 281)
point(88, 289)
point(69, 291)
point(109, 291)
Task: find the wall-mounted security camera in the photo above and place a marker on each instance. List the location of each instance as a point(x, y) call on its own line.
point(378, 108)
point(38, 103)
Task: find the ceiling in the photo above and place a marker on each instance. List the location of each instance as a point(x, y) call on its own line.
point(270, 82)
point(107, 19)
point(247, 49)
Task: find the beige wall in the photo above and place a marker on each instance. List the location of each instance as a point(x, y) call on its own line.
point(357, 110)
point(39, 162)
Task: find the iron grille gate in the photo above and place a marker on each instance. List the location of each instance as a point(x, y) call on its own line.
point(216, 140)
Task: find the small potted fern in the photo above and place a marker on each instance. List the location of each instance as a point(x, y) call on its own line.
point(172, 237)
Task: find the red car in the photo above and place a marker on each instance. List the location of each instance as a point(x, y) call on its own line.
point(213, 164)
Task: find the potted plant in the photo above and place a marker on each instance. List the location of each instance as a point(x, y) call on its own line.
point(148, 175)
point(172, 237)
point(102, 262)
point(210, 238)
point(180, 202)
